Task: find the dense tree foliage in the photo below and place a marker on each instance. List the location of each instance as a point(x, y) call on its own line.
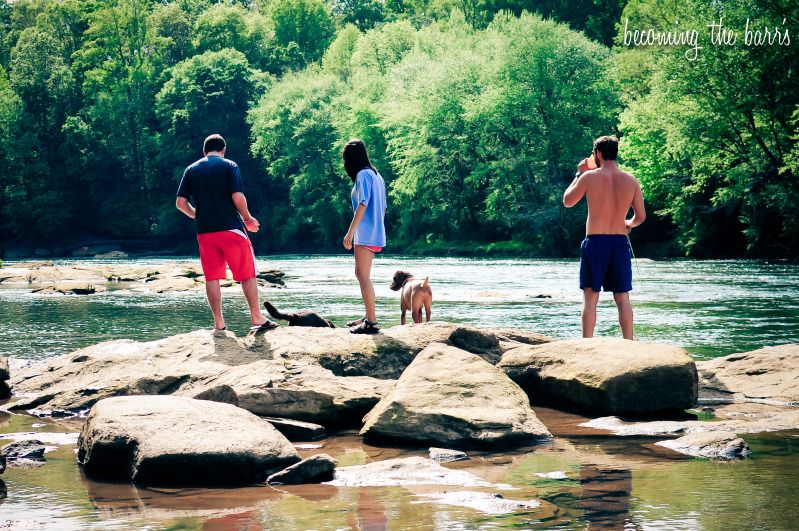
point(474, 111)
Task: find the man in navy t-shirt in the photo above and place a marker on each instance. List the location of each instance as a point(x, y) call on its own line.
point(213, 183)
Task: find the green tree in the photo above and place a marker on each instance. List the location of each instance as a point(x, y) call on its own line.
point(710, 139)
point(209, 93)
point(303, 30)
point(121, 64)
point(39, 200)
point(295, 135)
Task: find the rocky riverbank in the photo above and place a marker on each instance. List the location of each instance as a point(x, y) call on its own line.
point(46, 278)
point(156, 411)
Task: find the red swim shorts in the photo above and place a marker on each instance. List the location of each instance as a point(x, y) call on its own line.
point(373, 248)
point(231, 247)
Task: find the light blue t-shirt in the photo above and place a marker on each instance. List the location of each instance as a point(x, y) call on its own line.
point(370, 190)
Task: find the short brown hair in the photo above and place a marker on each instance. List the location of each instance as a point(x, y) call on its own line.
point(214, 142)
point(608, 146)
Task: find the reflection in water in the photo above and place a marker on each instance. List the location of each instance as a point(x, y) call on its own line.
point(3, 490)
point(247, 521)
point(605, 496)
point(370, 514)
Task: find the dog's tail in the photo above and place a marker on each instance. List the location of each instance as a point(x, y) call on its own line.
point(426, 283)
point(274, 311)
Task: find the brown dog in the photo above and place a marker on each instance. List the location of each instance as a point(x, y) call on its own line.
point(413, 295)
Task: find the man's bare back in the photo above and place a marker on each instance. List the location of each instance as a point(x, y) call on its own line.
point(610, 193)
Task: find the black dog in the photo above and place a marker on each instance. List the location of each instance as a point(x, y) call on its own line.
point(304, 318)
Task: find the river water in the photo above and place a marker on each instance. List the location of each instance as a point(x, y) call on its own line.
point(582, 480)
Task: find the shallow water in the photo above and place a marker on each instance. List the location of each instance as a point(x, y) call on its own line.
point(711, 308)
point(606, 483)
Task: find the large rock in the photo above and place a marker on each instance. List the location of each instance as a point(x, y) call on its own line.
point(319, 375)
point(387, 354)
point(605, 375)
point(770, 374)
point(201, 365)
point(710, 445)
point(295, 390)
point(448, 395)
point(172, 440)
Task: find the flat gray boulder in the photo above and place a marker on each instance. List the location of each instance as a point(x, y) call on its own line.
point(450, 396)
point(387, 354)
point(314, 469)
point(201, 365)
point(320, 375)
point(168, 440)
point(605, 375)
point(719, 445)
point(769, 374)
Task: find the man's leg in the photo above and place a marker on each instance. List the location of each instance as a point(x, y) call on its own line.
point(625, 313)
point(590, 300)
point(214, 294)
point(363, 272)
point(250, 289)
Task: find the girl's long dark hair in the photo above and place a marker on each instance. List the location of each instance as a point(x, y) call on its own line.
point(355, 158)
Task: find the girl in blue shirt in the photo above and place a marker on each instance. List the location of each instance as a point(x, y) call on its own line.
point(367, 232)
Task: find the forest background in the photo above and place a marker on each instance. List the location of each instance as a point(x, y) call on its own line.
point(474, 111)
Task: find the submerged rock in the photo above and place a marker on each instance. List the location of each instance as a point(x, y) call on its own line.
point(605, 375)
point(450, 396)
point(736, 418)
point(26, 449)
point(314, 469)
point(164, 440)
point(445, 455)
point(770, 374)
point(484, 502)
point(404, 471)
point(711, 445)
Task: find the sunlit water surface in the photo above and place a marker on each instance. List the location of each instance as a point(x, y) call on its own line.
point(710, 308)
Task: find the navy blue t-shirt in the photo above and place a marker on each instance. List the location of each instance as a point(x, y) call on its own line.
point(210, 183)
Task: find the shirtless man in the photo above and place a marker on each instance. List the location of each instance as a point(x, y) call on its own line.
point(605, 255)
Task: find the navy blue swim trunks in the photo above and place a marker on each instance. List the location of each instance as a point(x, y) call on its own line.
point(606, 262)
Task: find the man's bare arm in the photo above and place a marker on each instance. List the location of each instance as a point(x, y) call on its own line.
point(575, 191)
point(184, 206)
point(639, 211)
point(240, 202)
